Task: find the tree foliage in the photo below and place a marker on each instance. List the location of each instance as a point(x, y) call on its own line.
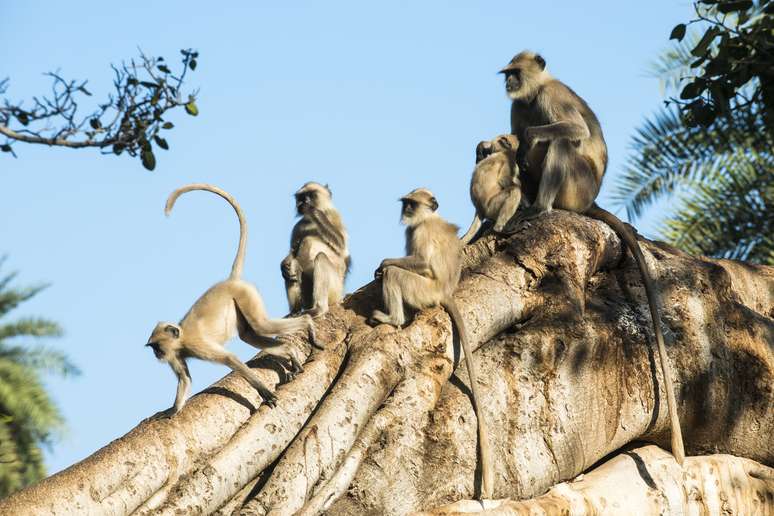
point(710, 151)
point(732, 63)
point(130, 121)
point(28, 417)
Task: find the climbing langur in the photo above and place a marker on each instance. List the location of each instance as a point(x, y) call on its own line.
point(228, 308)
point(428, 277)
point(563, 157)
point(495, 188)
point(318, 261)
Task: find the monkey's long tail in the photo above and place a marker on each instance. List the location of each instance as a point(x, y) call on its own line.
point(487, 471)
point(627, 235)
point(236, 268)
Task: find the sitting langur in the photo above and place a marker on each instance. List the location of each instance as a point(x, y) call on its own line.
point(228, 308)
point(318, 261)
point(563, 156)
point(495, 188)
point(427, 277)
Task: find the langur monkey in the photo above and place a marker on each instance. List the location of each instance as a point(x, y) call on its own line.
point(318, 261)
point(228, 308)
point(427, 277)
point(495, 188)
point(564, 156)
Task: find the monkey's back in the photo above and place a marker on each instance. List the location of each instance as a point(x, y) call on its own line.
point(492, 175)
point(552, 102)
point(436, 241)
point(305, 240)
point(215, 310)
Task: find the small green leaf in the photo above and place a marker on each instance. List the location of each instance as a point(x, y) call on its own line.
point(702, 113)
point(164, 68)
point(149, 84)
point(728, 7)
point(692, 89)
point(161, 142)
point(118, 148)
point(703, 45)
point(23, 118)
point(191, 108)
point(131, 81)
point(95, 123)
point(5, 148)
point(148, 159)
point(192, 64)
point(84, 91)
point(678, 32)
point(155, 98)
point(168, 125)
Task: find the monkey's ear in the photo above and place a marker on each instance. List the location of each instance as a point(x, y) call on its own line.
point(172, 330)
point(329, 189)
point(433, 204)
point(540, 61)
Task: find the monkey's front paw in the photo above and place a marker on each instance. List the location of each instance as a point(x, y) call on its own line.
point(531, 136)
point(521, 217)
point(268, 397)
point(379, 317)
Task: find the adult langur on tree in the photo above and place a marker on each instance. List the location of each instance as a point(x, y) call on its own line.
point(563, 157)
point(428, 276)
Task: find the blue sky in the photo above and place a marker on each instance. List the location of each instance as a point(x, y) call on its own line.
point(374, 99)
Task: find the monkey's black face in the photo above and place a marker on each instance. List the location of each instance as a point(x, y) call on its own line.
point(512, 81)
point(156, 347)
point(305, 202)
point(409, 208)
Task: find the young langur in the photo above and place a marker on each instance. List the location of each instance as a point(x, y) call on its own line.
point(318, 261)
point(228, 308)
point(563, 157)
point(495, 188)
point(426, 277)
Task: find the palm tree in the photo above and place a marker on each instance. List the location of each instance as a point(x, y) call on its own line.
point(719, 177)
point(28, 417)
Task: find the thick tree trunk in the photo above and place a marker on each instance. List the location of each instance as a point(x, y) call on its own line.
point(654, 484)
point(374, 425)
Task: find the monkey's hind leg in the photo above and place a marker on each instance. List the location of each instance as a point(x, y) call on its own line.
point(510, 203)
point(229, 359)
point(270, 348)
point(392, 295)
point(324, 275)
point(292, 276)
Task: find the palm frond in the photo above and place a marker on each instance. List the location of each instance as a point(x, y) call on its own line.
point(667, 154)
point(30, 327)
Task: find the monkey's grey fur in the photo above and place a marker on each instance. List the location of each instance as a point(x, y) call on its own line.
point(228, 308)
point(495, 189)
point(428, 276)
point(318, 261)
point(563, 157)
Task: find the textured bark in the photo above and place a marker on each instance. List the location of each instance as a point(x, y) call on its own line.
point(568, 373)
point(654, 484)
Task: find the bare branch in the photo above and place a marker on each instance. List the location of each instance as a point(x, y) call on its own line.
point(129, 121)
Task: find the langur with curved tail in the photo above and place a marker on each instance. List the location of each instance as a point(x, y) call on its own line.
point(495, 189)
point(428, 277)
point(228, 308)
point(563, 158)
point(318, 261)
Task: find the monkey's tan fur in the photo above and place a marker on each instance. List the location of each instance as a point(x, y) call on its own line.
point(428, 276)
point(228, 308)
point(495, 189)
point(564, 158)
point(315, 268)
